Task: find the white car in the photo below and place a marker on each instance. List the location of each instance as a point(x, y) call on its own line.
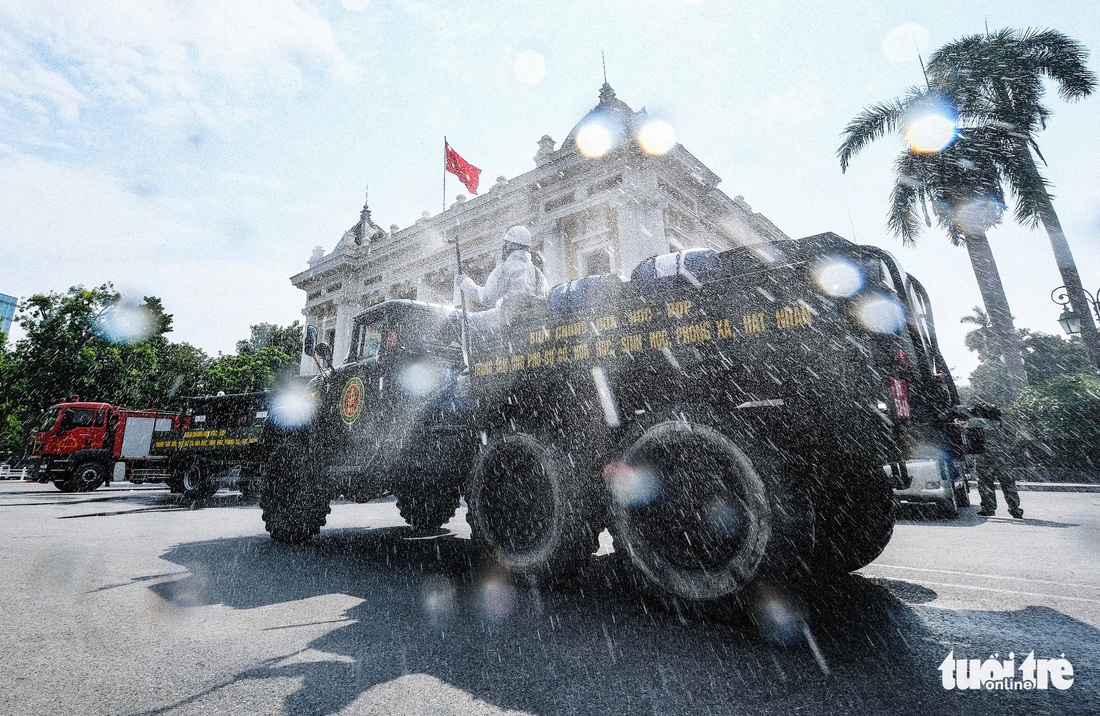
point(939, 480)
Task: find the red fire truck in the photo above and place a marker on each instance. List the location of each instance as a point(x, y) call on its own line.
point(80, 445)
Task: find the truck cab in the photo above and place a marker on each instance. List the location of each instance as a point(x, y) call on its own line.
point(389, 412)
point(72, 433)
point(390, 420)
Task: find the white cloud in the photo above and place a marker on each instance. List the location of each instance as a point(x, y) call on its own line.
point(905, 43)
point(65, 226)
point(176, 65)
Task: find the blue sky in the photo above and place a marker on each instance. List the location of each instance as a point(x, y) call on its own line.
point(199, 151)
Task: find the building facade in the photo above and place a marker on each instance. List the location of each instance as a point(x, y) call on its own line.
point(587, 215)
point(8, 304)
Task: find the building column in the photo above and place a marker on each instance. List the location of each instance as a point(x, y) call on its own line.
point(641, 233)
point(555, 253)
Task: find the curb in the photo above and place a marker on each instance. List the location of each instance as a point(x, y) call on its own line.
point(1057, 487)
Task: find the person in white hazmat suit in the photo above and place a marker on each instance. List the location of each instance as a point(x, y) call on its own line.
point(516, 275)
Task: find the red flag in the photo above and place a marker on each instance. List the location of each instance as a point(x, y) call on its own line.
point(467, 173)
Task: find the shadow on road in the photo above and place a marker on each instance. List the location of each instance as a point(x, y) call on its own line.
point(135, 501)
point(917, 514)
point(433, 612)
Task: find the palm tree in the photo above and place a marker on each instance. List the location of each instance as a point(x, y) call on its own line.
point(963, 185)
point(999, 77)
point(980, 339)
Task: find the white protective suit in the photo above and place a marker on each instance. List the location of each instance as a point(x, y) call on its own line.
point(516, 275)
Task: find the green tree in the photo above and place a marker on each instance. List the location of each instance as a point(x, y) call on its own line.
point(249, 372)
point(286, 338)
point(269, 354)
point(87, 342)
point(1060, 422)
point(988, 382)
point(1055, 421)
point(961, 182)
point(1046, 356)
point(998, 79)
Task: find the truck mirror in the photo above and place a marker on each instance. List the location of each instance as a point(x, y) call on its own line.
point(310, 345)
point(324, 352)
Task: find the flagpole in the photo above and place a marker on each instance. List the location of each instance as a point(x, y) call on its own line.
point(444, 172)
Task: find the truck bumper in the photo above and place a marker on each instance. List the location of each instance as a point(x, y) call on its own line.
point(45, 469)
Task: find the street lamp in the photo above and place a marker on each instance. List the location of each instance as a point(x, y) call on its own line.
point(1070, 321)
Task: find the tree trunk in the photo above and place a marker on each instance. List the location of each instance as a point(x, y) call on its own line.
point(996, 306)
point(1067, 267)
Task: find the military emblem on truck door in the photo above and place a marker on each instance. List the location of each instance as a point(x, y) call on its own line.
point(351, 401)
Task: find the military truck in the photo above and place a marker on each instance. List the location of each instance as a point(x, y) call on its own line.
point(728, 416)
point(218, 441)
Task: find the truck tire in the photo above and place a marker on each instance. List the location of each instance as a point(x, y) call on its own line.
point(538, 513)
point(690, 509)
point(427, 508)
point(858, 523)
point(195, 483)
point(88, 475)
point(293, 505)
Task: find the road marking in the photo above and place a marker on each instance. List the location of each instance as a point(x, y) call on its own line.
point(984, 576)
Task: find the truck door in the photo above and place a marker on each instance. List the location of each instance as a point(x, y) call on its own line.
point(358, 427)
point(75, 431)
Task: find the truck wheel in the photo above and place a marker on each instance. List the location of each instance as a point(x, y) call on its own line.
point(691, 510)
point(294, 506)
point(85, 477)
point(195, 484)
point(858, 523)
point(531, 507)
point(427, 508)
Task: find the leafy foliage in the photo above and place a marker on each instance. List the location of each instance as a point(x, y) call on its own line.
point(1059, 422)
point(1055, 421)
point(89, 342)
point(288, 339)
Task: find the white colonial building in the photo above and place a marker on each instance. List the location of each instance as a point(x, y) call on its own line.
point(587, 215)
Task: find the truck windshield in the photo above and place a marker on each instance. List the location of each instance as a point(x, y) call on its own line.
point(367, 339)
point(78, 418)
point(48, 419)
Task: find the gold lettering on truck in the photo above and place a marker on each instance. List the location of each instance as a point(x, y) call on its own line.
point(793, 317)
point(693, 333)
point(659, 339)
point(607, 323)
point(754, 323)
point(676, 309)
point(571, 330)
point(631, 343)
point(640, 316)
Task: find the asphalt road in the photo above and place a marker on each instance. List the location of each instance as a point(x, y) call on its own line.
point(129, 601)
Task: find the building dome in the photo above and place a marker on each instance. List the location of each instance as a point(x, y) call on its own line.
point(612, 114)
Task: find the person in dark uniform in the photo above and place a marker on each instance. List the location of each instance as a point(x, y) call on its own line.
point(992, 467)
